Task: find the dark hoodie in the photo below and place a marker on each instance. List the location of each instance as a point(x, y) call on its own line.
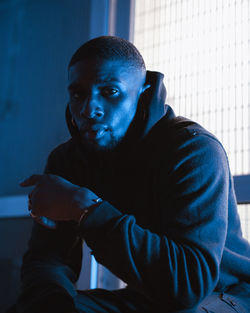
point(168, 225)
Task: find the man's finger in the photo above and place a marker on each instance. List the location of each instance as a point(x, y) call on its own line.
point(30, 181)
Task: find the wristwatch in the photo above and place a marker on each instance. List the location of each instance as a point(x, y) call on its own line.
point(85, 212)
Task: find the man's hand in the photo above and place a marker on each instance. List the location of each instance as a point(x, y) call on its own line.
point(56, 198)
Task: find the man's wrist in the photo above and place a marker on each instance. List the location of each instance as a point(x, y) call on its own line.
point(82, 199)
point(86, 211)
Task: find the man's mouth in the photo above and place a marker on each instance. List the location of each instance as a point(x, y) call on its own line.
point(96, 131)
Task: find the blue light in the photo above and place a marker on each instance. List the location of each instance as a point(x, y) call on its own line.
point(93, 273)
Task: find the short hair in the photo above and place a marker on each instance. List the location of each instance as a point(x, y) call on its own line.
point(109, 48)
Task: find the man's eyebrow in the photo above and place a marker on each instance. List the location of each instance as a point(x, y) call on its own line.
point(74, 86)
point(108, 79)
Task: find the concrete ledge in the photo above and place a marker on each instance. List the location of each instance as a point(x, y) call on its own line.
point(14, 206)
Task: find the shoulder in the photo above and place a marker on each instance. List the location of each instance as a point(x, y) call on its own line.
point(183, 127)
point(61, 159)
point(61, 151)
point(179, 139)
point(68, 161)
point(191, 135)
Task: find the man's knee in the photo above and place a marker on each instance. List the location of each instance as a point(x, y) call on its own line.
point(222, 303)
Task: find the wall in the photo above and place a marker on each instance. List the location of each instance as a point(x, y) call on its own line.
point(37, 40)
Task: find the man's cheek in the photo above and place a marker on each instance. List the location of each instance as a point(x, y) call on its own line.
point(116, 121)
point(123, 126)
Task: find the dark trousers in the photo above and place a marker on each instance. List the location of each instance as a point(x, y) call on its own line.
point(237, 299)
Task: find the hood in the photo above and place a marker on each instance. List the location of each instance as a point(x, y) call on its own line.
point(152, 101)
point(149, 111)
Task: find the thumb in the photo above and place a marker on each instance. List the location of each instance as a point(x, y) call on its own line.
point(30, 181)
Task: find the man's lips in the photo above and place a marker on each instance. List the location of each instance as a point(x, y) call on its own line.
point(96, 127)
point(96, 131)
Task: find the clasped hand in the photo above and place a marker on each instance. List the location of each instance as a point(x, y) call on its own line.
point(56, 198)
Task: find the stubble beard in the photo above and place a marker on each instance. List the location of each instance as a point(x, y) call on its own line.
point(100, 151)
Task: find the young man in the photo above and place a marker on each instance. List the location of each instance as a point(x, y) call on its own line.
point(151, 193)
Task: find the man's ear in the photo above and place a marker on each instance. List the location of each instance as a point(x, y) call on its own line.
point(145, 87)
point(148, 81)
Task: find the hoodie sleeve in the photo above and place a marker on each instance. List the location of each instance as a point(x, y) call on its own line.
point(178, 266)
point(52, 264)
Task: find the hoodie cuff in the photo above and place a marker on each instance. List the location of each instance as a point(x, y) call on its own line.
point(99, 222)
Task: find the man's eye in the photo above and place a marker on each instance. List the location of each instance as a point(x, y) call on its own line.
point(109, 91)
point(75, 96)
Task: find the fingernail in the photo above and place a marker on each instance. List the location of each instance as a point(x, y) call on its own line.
point(23, 183)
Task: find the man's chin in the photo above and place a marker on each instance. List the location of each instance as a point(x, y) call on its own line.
point(95, 147)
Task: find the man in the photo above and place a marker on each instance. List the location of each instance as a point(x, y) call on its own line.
point(151, 193)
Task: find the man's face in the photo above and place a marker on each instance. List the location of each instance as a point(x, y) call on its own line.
point(103, 100)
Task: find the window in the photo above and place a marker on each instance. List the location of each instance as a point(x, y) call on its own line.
point(202, 47)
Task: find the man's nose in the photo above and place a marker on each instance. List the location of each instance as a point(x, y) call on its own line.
point(92, 109)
